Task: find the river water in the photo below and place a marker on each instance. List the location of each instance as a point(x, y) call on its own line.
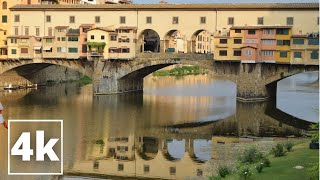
point(179, 128)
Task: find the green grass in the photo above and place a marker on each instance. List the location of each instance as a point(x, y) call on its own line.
point(282, 168)
point(85, 80)
point(181, 71)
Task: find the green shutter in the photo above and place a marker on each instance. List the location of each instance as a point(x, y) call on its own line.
point(298, 41)
point(297, 54)
point(315, 55)
point(279, 42)
point(313, 41)
point(283, 54)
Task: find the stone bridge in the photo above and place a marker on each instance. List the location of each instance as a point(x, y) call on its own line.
point(253, 81)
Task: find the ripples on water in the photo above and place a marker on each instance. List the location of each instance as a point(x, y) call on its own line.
point(184, 125)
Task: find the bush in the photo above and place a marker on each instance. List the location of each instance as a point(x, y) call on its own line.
point(250, 156)
point(278, 150)
point(266, 162)
point(245, 172)
point(223, 171)
point(215, 178)
point(288, 146)
point(259, 167)
point(313, 171)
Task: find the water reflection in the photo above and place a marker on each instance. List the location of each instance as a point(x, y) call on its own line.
point(162, 133)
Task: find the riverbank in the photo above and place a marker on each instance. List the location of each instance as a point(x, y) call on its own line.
point(285, 168)
point(181, 71)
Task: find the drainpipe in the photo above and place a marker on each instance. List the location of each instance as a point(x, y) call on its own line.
point(44, 32)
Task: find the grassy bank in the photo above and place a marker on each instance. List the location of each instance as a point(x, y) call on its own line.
point(181, 71)
point(283, 168)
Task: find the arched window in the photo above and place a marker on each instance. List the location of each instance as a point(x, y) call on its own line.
point(4, 5)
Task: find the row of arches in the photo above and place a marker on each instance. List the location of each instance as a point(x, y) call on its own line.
point(175, 41)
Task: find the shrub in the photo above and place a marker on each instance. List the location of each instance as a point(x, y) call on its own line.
point(278, 150)
point(223, 171)
point(288, 146)
point(266, 162)
point(251, 155)
point(259, 167)
point(245, 172)
point(215, 178)
point(313, 171)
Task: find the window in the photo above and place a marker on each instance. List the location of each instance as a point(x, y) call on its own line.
point(313, 41)
point(120, 167)
point(248, 52)
point(114, 50)
point(85, 30)
point(73, 50)
point(315, 55)
point(199, 172)
point(251, 31)
point(122, 19)
point(203, 20)
point(283, 31)
point(268, 53)
point(16, 31)
point(237, 41)
point(283, 54)
point(13, 41)
point(113, 38)
point(237, 31)
point(250, 41)
point(289, 20)
point(102, 37)
point(16, 18)
point(37, 31)
point(283, 42)
point(26, 31)
point(72, 19)
point(84, 48)
point(49, 31)
point(4, 19)
point(24, 50)
point(223, 41)
point(97, 19)
point(96, 165)
point(230, 21)
point(125, 50)
point(268, 42)
point(268, 31)
point(58, 38)
point(48, 40)
point(297, 54)
point(260, 20)
point(175, 20)
point(24, 40)
point(172, 170)
point(73, 38)
point(92, 37)
point(146, 168)
point(13, 51)
point(236, 52)
point(149, 20)
point(4, 5)
point(63, 39)
point(298, 41)
point(223, 53)
point(48, 19)
point(61, 49)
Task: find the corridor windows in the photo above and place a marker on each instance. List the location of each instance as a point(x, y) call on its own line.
point(122, 19)
point(49, 31)
point(72, 19)
point(4, 19)
point(203, 20)
point(223, 53)
point(26, 31)
point(16, 31)
point(175, 20)
point(37, 31)
point(4, 5)
point(16, 18)
point(48, 19)
point(146, 168)
point(97, 19)
point(173, 170)
point(149, 20)
point(289, 20)
point(230, 20)
point(120, 167)
point(260, 20)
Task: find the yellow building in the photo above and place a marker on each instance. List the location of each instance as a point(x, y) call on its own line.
point(204, 42)
point(305, 49)
point(283, 38)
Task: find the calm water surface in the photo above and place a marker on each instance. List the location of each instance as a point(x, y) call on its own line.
point(179, 128)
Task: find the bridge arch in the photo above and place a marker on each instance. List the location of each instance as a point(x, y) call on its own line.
point(148, 148)
point(148, 41)
point(175, 41)
point(201, 42)
point(173, 149)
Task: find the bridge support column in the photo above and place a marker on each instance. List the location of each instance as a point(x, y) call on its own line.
point(162, 46)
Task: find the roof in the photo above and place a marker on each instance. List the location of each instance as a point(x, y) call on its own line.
point(86, 25)
point(260, 27)
point(248, 46)
point(299, 35)
point(127, 27)
point(61, 27)
point(21, 37)
point(106, 29)
point(135, 7)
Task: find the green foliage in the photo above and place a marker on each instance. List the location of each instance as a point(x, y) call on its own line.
point(265, 162)
point(215, 178)
point(85, 80)
point(181, 71)
point(223, 171)
point(259, 167)
point(278, 150)
point(100, 141)
point(313, 171)
point(288, 146)
point(99, 45)
point(315, 132)
point(245, 172)
point(251, 155)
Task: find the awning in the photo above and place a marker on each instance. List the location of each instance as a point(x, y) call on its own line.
point(37, 47)
point(47, 48)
